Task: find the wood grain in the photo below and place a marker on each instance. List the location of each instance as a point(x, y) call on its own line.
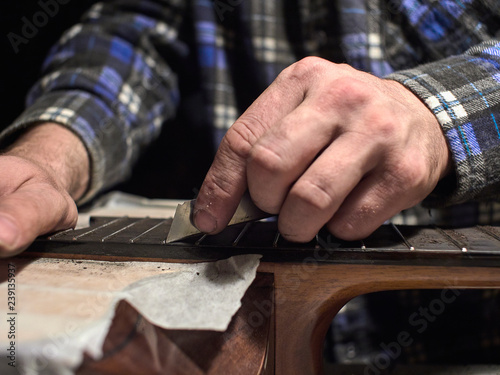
point(308, 296)
point(135, 346)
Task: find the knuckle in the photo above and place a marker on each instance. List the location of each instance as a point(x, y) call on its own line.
point(316, 194)
point(384, 127)
point(381, 126)
point(238, 140)
point(267, 159)
point(302, 70)
point(410, 174)
point(310, 63)
point(350, 94)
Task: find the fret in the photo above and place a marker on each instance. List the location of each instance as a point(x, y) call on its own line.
point(477, 240)
point(242, 233)
point(146, 231)
point(97, 232)
point(145, 238)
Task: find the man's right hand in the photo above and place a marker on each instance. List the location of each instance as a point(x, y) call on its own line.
point(40, 176)
point(326, 144)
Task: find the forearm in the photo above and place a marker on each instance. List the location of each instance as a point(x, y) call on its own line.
point(59, 151)
point(106, 82)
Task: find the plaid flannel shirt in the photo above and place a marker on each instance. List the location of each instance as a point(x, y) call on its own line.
point(127, 67)
point(114, 78)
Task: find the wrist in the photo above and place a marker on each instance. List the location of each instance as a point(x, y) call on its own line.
point(429, 124)
point(57, 150)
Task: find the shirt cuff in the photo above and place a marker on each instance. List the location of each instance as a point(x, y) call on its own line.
point(462, 92)
point(91, 122)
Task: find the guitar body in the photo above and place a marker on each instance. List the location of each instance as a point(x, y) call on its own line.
point(300, 287)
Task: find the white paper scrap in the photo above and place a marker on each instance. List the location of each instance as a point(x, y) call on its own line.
point(65, 308)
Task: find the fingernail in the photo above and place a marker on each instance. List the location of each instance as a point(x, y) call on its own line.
point(204, 221)
point(9, 232)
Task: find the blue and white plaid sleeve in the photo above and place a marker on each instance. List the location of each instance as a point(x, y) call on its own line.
point(463, 92)
point(106, 82)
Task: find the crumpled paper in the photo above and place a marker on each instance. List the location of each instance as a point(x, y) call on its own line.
point(53, 330)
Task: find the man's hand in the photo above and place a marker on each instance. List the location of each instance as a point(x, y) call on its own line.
point(326, 144)
point(40, 175)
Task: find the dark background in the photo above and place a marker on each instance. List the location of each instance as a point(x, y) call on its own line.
point(20, 70)
point(179, 152)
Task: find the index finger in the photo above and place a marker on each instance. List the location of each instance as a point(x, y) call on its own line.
point(226, 182)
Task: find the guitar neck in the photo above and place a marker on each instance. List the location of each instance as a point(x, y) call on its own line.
point(129, 238)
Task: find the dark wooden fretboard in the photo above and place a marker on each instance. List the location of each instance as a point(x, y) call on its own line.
point(144, 239)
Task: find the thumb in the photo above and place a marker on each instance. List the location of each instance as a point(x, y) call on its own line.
point(31, 211)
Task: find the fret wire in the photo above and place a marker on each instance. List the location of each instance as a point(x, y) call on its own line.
point(121, 229)
point(100, 227)
point(318, 244)
point(408, 245)
point(147, 231)
point(461, 246)
point(488, 232)
point(199, 240)
point(276, 239)
point(59, 234)
point(242, 233)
